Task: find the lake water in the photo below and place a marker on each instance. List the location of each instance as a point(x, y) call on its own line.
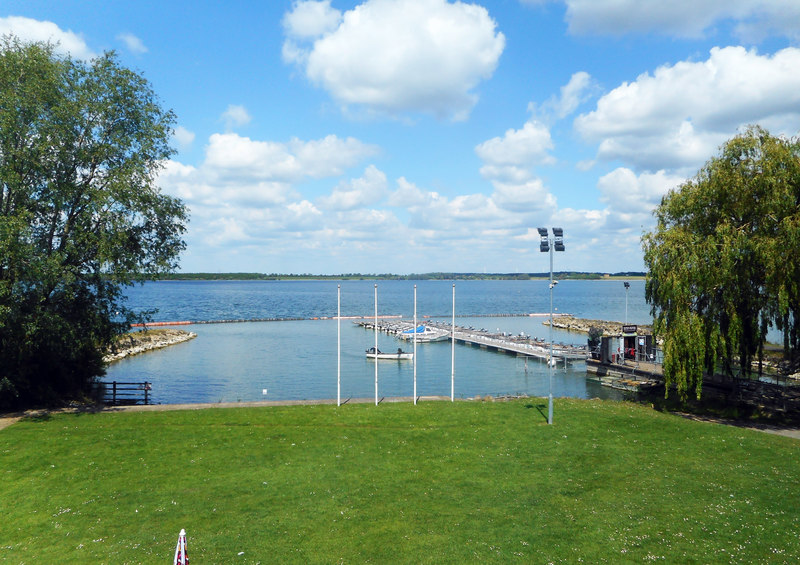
point(297, 359)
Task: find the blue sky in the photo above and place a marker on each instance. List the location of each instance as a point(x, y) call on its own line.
point(409, 136)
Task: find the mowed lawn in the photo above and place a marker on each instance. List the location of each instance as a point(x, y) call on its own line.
point(438, 482)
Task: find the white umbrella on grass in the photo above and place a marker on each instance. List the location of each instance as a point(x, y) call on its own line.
point(180, 551)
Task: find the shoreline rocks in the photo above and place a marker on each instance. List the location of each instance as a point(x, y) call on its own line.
point(583, 325)
point(148, 340)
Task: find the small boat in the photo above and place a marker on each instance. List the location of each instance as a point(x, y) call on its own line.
point(423, 334)
point(399, 356)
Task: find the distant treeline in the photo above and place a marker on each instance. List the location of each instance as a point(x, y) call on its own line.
point(561, 275)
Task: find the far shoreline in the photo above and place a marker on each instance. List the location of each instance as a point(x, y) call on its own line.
point(561, 276)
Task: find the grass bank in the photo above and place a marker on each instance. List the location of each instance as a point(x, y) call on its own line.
point(436, 483)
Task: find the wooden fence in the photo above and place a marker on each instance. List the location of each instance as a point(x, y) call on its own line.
point(116, 392)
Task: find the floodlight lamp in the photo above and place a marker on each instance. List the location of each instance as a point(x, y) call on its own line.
point(627, 285)
point(559, 245)
point(542, 232)
point(544, 246)
point(558, 232)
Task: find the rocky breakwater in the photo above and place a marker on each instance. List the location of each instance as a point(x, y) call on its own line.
point(138, 342)
point(573, 324)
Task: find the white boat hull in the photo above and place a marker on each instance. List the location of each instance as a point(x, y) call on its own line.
point(397, 356)
point(391, 356)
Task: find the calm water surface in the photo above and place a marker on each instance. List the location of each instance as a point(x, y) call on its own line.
point(297, 359)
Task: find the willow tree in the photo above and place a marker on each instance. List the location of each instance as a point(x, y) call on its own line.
point(81, 216)
point(724, 260)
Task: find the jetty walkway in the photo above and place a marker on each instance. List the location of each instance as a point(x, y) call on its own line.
point(520, 345)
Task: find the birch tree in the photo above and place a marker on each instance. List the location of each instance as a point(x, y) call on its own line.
point(80, 214)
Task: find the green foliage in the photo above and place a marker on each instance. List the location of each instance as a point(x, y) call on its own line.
point(723, 260)
point(80, 215)
point(595, 333)
point(439, 482)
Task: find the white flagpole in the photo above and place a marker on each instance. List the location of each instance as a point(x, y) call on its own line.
point(338, 345)
point(453, 349)
point(376, 344)
point(415, 345)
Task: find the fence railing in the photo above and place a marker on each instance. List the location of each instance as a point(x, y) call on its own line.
point(117, 392)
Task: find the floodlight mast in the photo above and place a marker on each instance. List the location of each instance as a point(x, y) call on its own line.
point(546, 244)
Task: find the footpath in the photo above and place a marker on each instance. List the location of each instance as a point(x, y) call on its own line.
point(7, 420)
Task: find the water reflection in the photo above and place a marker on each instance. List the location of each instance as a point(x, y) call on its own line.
point(297, 360)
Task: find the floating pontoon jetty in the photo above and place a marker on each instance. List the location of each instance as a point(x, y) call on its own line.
point(520, 345)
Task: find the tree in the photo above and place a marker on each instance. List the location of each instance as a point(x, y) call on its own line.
point(81, 217)
point(723, 261)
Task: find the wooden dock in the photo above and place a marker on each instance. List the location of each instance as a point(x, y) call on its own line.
point(520, 345)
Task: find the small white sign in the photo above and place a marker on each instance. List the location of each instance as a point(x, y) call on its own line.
point(264, 392)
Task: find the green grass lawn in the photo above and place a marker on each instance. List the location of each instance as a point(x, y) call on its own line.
point(432, 483)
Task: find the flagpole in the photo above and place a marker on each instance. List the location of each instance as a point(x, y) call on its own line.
point(338, 345)
point(415, 345)
point(453, 349)
point(376, 344)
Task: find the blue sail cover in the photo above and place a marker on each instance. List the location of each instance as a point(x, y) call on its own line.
point(420, 330)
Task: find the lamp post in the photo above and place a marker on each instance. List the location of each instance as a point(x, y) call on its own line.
point(548, 245)
point(627, 286)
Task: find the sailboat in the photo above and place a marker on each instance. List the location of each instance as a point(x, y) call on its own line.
point(424, 333)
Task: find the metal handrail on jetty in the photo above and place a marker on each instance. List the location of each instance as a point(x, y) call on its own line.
point(520, 345)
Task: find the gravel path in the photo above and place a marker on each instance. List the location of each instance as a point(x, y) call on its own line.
point(9, 419)
point(768, 428)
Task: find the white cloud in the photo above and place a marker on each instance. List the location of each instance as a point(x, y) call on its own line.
point(330, 155)
point(409, 195)
point(464, 217)
point(518, 148)
point(307, 21)
point(311, 19)
point(246, 191)
point(678, 116)
point(235, 116)
point(602, 236)
point(623, 190)
point(227, 230)
point(133, 43)
point(397, 56)
point(754, 20)
point(183, 136)
point(357, 193)
point(27, 29)
point(303, 215)
point(508, 164)
point(231, 155)
point(577, 91)
point(530, 196)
